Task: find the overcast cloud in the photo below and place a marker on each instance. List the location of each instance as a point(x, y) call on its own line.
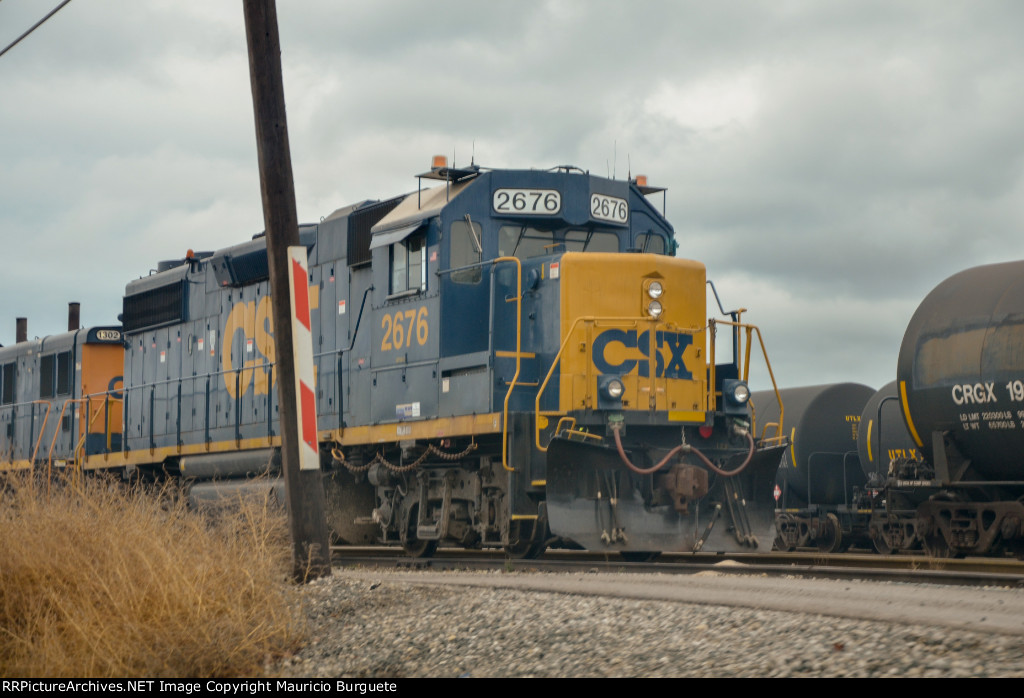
point(830, 162)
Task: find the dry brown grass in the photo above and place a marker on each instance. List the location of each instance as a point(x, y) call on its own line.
point(99, 581)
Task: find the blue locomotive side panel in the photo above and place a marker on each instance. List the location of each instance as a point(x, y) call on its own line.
point(200, 365)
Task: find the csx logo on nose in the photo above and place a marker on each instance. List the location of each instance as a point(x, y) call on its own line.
point(676, 344)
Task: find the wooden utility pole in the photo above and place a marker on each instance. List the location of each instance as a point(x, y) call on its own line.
point(311, 555)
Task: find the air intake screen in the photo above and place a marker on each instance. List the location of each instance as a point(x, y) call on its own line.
point(250, 267)
point(359, 225)
point(155, 308)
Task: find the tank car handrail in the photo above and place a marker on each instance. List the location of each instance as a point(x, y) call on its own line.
point(906, 413)
point(844, 456)
point(878, 414)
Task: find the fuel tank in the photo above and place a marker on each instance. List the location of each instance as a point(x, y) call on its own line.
point(821, 465)
point(961, 370)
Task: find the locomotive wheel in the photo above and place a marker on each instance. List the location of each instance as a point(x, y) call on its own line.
point(830, 535)
point(640, 555)
point(521, 545)
point(416, 547)
point(413, 546)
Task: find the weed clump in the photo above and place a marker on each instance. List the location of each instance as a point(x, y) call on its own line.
point(101, 580)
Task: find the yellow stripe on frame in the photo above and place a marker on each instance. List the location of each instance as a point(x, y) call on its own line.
point(468, 425)
point(686, 416)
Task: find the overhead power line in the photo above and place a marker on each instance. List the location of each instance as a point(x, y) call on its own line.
point(34, 27)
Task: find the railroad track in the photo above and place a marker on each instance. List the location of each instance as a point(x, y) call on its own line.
point(903, 568)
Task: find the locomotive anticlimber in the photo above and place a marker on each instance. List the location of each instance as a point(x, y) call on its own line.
point(504, 358)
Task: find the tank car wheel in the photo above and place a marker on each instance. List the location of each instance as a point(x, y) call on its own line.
point(935, 546)
point(782, 546)
point(640, 555)
point(882, 546)
point(830, 535)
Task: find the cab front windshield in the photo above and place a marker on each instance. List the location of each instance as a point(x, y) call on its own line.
point(524, 241)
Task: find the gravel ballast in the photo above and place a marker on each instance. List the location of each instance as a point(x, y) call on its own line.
point(381, 624)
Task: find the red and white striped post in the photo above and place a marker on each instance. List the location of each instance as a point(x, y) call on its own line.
point(304, 488)
point(302, 342)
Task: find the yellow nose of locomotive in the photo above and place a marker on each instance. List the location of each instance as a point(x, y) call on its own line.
point(633, 329)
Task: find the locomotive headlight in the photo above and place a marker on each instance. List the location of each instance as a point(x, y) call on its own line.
point(614, 388)
point(655, 289)
point(740, 393)
point(736, 394)
point(654, 309)
point(609, 392)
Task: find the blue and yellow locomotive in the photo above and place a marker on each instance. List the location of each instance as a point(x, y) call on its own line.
point(504, 358)
point(60, 397)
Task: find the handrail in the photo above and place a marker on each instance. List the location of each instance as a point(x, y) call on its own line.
point(519, 340)
point(42, 428)
point(90, 417)
point(56, 433)
point(519, 356)
point(750, 329)
point(712, 394)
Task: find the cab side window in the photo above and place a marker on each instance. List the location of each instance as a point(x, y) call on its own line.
point(651, 242)
point(409, 265)
point(7, 378)
point(467, 248)
point(55, 374)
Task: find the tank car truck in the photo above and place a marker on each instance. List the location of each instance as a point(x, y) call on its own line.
point(505, 358)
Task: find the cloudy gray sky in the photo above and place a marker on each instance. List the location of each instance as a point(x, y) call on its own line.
point(830, 162)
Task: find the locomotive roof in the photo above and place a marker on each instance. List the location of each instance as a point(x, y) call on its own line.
point(419, 206)
point(105, 334)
